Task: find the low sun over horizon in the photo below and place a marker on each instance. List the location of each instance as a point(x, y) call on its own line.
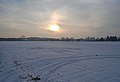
point(59, 18)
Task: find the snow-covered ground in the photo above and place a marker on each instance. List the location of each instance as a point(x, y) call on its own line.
point(59, 61)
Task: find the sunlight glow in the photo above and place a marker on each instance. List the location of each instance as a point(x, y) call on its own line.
point(54, 28)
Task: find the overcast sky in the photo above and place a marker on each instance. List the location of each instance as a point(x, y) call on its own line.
point(76, 18)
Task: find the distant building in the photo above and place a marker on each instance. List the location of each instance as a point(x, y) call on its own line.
point(23, 37)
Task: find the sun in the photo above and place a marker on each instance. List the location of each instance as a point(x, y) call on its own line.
point(54, 28)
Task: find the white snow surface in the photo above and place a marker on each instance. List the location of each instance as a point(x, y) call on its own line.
point(22, 61)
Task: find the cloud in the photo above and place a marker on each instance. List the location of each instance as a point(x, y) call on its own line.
point(78, 17)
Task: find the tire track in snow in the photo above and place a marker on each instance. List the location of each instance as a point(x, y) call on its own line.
point(45, 62)
point(50, 68)
point(47, 67)
point(56, 67)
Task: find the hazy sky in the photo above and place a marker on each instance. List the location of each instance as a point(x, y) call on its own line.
point(76, 18)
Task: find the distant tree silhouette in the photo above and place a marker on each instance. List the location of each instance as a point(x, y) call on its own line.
point(23, 38)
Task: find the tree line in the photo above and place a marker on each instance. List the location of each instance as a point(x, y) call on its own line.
point(108, 38)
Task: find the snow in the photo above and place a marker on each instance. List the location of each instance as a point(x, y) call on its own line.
point(22, 61)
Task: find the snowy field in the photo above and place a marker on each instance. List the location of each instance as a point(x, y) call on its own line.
point(59, 61)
